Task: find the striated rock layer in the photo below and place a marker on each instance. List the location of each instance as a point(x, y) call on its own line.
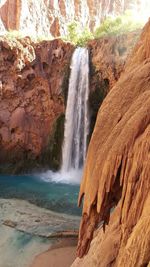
point(45, 17)
point(117, 172)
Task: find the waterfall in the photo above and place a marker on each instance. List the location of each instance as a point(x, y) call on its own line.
point(77, 113)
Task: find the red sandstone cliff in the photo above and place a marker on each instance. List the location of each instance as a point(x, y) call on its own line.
point(31, 95)
point(108, 56)
point(45, 17)
point(117, 172)
point(33, 87)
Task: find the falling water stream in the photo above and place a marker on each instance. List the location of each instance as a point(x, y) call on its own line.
point(77, 112)
point(57, 191)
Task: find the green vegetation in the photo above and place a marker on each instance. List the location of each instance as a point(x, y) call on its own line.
point(19, 35)
point(96, 97)
point(119, 25)
point(77, 34)
point(125, 23)
point(14, 35)
point(51, 155)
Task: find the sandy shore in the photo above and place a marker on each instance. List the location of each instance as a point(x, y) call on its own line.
point(27, 231)
point(60, 255)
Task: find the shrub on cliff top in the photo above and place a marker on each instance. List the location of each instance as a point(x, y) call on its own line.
point(77, 34)
point(14, 34)
point(119, 25)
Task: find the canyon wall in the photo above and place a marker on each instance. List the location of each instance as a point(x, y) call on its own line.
point(48, 17)
point(31, 99)
point(116, 180)
point(33, 92)
point(107, 59)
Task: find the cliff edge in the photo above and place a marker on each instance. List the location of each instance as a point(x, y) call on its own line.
point(117, 172)
point(48, 17)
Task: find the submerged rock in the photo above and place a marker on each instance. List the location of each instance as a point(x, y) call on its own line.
point(27, 230)
point(28, 218)
point(19, 249)
point(117, 171)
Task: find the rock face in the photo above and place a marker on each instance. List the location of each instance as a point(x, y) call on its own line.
point(107, 59)
point(117, 172)
point(33, 90)
point(108, 55)
point(45, 17)
point(31, 96)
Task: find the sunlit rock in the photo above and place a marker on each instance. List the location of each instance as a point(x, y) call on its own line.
point(50, 18)
point(116, 173)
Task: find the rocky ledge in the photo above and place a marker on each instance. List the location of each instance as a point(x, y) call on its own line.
point(30, 219)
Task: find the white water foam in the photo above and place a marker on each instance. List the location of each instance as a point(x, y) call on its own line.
point(72, 177)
